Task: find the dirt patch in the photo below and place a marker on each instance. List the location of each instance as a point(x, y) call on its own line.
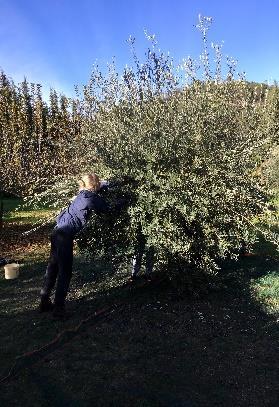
point(16, 245)
point(216, 349)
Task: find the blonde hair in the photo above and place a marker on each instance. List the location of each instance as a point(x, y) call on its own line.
point(89, 181)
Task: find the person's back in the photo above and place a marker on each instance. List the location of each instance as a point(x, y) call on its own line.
point(73, 218)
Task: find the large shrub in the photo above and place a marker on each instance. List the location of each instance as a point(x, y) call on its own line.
point(189, 152)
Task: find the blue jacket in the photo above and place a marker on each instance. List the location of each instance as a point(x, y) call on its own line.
point(72, 219)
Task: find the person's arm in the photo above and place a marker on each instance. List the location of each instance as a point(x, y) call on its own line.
point(98, 205)
point(60, 215)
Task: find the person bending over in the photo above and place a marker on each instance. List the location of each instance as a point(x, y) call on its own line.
point(69, 222)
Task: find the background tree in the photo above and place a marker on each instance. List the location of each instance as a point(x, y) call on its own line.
point(36, 138)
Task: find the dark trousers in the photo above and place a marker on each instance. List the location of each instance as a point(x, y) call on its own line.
point(59, 266)
point(141, 248)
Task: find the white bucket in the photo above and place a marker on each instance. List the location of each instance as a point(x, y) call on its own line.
point(11, 271)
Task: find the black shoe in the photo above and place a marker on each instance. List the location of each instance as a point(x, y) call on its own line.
point(45, 305)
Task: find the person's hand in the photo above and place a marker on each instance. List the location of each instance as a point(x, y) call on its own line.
point(104, 185)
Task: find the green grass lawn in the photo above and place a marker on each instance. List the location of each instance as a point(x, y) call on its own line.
point(10, 204)
point(266, 291)
point(16, 211)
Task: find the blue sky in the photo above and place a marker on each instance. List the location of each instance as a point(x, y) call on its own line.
point(56, 42)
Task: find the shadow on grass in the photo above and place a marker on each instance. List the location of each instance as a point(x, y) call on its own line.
point(220, 349)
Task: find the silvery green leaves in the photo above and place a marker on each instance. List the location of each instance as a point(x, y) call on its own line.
point(191, 152)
